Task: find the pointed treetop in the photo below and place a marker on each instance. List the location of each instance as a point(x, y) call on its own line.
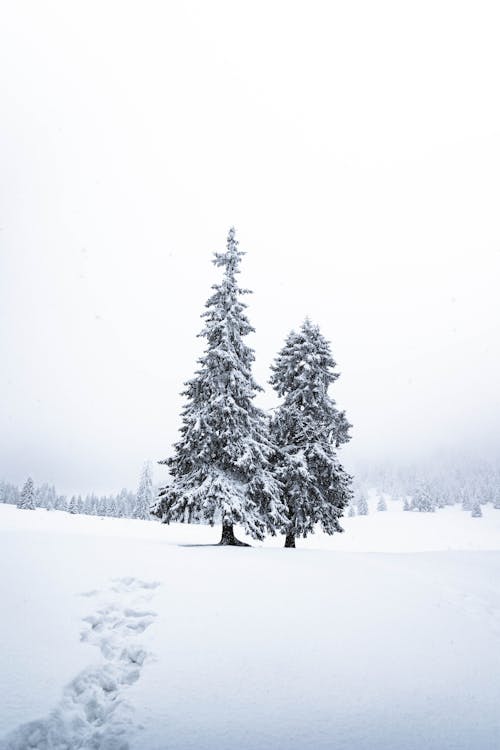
point(304, 349)
point(231, 258)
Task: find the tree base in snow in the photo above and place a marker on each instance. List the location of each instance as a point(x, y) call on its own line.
point(290, 541)
point(228, 538)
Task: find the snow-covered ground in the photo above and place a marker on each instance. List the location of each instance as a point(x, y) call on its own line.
point(120, 634)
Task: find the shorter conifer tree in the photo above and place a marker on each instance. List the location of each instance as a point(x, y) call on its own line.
point(306, 430)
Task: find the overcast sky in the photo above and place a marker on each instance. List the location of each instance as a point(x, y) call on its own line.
point(354, 145)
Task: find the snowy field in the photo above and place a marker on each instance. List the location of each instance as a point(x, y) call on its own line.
point(118, 634)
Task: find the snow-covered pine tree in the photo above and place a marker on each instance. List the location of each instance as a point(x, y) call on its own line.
point(306, 430)
point(122, 501)
point(73, 505)
point(381, 505)
point(130, 501)
point(51, 498)
point(466, 498)
point(40, 496)
point(362, 504)
point(112, 507)
point(406, 504)
point(27, 498)
point(476, 511)
point(352, 510)
point(144, 499)
point(61, 503)
point(422, 500)
point(220, 468)
point(94, 505)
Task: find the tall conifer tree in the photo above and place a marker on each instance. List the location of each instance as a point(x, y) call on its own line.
point(307, 428)
point(220, 467)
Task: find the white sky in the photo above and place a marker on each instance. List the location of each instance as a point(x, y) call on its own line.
point(355, 146)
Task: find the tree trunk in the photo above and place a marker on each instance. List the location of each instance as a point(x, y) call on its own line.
point(290, 540)
point(228, 538)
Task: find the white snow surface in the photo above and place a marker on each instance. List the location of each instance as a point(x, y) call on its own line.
point(119, 634)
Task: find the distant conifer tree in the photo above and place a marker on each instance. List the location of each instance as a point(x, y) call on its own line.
point(381, 505)
point(27, 498)
point(362, 504)
point(73, 505)
point(476, 511)
point(422, 500)
point(144, 498)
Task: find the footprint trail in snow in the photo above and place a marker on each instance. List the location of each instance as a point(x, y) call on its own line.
point(93, 712)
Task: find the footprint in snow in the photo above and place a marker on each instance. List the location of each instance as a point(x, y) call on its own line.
point(93, 712)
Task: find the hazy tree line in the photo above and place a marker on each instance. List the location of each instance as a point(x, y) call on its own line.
point(429, 486)
point(424, 488)
point(124, 504)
